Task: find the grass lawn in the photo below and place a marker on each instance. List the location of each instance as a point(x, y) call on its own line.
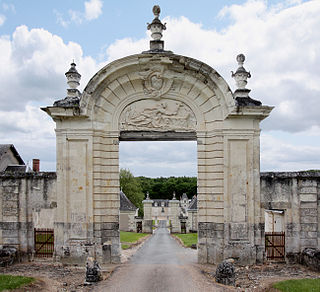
point(188, 239)
point(8, 282)
point(128, 238)
point(302, 285)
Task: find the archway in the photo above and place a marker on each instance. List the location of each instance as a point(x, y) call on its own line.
point(158, 95)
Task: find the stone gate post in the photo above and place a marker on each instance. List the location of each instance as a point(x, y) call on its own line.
point(147, 217)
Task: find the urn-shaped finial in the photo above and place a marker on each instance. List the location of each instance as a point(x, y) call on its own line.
point(148, 196)
point(174, 196)
point(241, 75)
point(156, 26)
point(241, 94)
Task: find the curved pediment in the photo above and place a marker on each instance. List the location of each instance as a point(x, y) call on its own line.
point(156, 85)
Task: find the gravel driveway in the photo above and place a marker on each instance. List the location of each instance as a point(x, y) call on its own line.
point(161, 264)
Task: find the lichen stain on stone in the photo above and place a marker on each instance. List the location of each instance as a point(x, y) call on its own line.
point(80, 188)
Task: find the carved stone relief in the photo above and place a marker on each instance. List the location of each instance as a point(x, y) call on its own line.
point(154, 83)
point(167, 115)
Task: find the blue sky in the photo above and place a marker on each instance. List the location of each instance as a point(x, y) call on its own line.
point(281, 41)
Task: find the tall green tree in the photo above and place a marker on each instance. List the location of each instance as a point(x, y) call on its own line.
point(163, 187)
point(132, 188)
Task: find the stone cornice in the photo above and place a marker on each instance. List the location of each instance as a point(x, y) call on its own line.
point(256, 112)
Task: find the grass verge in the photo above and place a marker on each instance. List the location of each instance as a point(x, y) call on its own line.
point(129, 238)
point(8, 282)
point(188, 239)
point(298, 285)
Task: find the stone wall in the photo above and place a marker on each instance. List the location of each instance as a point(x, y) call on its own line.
point(127, 221)
point(298, 195)
point(27, 201)
point(192, 220)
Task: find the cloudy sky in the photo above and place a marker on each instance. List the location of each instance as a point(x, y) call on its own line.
point(281, 41)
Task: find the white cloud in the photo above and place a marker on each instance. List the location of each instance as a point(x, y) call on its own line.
point(2, 19)
point(9, 7)
point(76, 16)
point(60, 19)
point(35, 62)
point(32, 133)
point(154, 159)
point(93, 9)
point(280, 44)
point(279, 155)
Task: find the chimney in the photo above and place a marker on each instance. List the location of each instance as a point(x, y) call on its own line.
point(36, 165)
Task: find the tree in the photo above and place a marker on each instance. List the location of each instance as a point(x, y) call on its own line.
point(132, 189)
point(163, 187)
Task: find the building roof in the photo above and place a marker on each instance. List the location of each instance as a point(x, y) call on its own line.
point(184, 196)
point(159, 202)
point(193, 204)
point(16, 168)
point(125, 203)
point(4, 148)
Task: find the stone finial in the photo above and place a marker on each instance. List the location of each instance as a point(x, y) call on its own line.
point(241, 94)
point(73, 94)
point(156, 10)
point(73, 77)
point(156, 27)
point(241, 75)
point(174, 196)
point(148, 196)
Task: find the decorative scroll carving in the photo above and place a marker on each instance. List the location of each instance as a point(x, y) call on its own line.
point(167, 115)
point(154, 83)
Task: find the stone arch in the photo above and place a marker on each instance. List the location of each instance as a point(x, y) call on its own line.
point(227, 134)
point(200, 85)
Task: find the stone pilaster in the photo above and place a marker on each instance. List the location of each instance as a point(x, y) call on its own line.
point(174, 211)
point(210, 198)
point(147, 219)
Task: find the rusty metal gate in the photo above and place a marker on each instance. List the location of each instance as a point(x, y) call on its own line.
point(183, 227)
point(139, 226)
point(43, 242)
point(275, 245)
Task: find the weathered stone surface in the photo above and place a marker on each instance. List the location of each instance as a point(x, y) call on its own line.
point(311, 258)
point(302, 190)
point(156, 93)
point(7, 255)
point(93, 271)
point(22, 196)
point(225, 273)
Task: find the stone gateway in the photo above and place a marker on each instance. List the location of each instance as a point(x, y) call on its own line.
point(158, 95)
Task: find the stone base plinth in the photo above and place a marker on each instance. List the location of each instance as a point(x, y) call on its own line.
point(214, 247)
point(147, 226)
point(103, 244)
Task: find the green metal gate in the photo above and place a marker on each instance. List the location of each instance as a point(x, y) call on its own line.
point(44, 242)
